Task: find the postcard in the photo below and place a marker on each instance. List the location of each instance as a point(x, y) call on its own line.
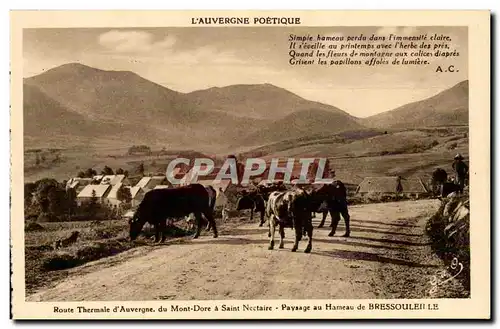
point(250, 164)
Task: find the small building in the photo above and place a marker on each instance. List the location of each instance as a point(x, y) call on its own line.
point(413, 186)
point(157, 187)
point(113, 179)
point(137, 194)
point(78, 183)
point(112, 197)
point(101, 192)
point(149, 182)
point(97, 179)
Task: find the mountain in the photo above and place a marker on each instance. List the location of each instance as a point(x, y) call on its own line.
point(449, 107)
point(303, 123)
point(111, 95)
point(255, 101)
point(75, 100)
point(46, 120)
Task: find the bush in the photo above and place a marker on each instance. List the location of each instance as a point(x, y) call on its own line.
point(449, 238)
point(33, 226)
point(45, 217)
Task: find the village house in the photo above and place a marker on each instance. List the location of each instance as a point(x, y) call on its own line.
point(112, 197)
point(137, 194)
point(158, 187)
point(77, 183)
point(411, 187)
point(148, 183)
point(114, 180)
point(96, 179)
point(101, 192)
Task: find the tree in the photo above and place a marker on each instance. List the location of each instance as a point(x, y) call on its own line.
point(90, 173)
point(93, 204)
point(71, 201)
point(80, 174)
point(119, 171)
point(41, 200)
point(123, 194)
point(140, 169)
point(57, 201)
point(107, 171)
point(29, 189)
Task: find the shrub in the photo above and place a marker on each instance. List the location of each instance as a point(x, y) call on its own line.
point(33, 226)
point(450, 239)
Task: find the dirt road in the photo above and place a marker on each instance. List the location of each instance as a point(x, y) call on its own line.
point(387, 256)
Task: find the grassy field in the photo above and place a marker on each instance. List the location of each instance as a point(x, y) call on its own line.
point(353, 156)
point(97, 239)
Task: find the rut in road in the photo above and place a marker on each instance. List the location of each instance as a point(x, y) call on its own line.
point(387, 256)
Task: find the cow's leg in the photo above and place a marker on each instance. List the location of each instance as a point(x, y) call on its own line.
point(325, 213)
point(347, 219)
point(211, 221)
point(309, 229)
point(163, 230)
point(335, 221)
point(251, 214)
point(209, 225)
point(197, 216)
point(272, 229)
point(157, 232)
point(282, 237)
point(298, 237)
point(262, 219)
point(323, 219)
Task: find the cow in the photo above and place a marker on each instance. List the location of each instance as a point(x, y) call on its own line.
point(441, 184)
point(289, 209)
point(253, 201)
point(266, 190)
point(160, 204)
point(335, 197)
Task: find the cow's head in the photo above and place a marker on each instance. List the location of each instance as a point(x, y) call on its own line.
point(136, 224)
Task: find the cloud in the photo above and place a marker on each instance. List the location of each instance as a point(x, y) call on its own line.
point(133, 42)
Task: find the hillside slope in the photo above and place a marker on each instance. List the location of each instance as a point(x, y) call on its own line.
point(302, 123)
point(449, 107)
point(256, 101)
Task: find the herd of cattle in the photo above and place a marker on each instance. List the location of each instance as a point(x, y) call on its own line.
point(283, 207)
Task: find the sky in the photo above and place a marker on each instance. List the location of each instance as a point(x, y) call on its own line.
point(192, 58)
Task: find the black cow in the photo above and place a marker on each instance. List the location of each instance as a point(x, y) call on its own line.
point(160, 204)
point(335, 195)
point(266, 190)
point(441, 185)
point(253, 201)
point(290, 209)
